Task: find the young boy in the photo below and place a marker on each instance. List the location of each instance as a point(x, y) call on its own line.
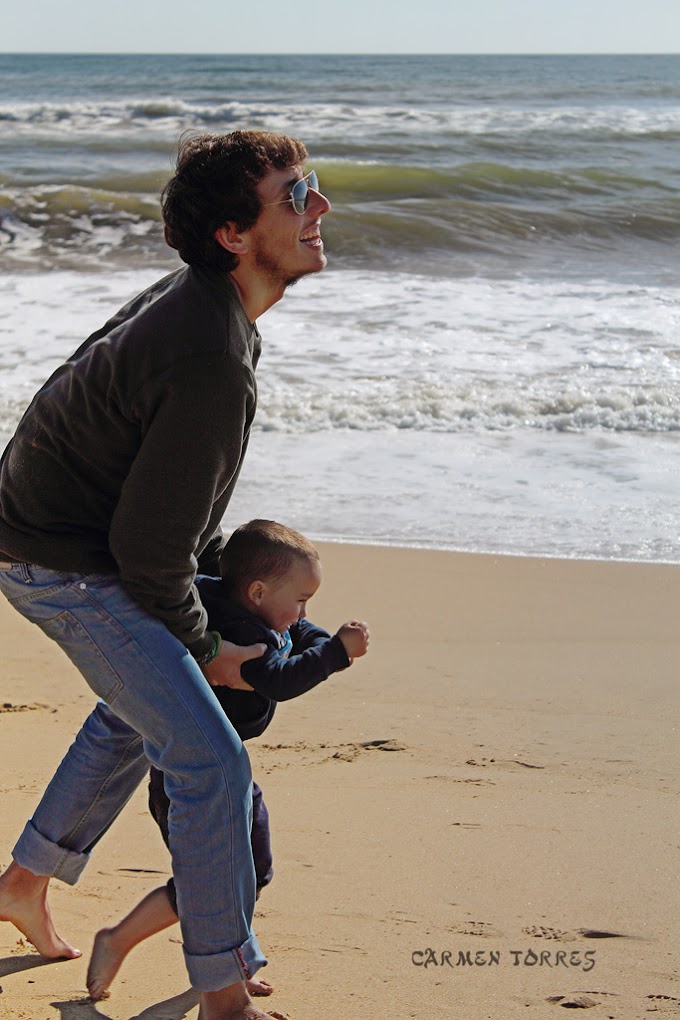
point(268, 574)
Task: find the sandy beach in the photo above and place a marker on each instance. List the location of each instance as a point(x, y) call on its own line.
point(477, 820)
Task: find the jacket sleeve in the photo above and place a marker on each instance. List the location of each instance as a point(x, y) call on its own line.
point(305, 634)
point(282, 678)
point(190, 453)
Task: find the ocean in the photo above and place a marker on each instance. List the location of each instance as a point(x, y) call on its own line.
point(491, 361)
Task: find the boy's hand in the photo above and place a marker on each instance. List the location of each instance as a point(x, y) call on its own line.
point(354, 636)
point(225, 669)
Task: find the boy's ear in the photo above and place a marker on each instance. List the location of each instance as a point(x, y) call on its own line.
point(255, 592)
point(231, 239)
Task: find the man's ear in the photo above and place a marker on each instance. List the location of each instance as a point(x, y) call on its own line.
point(231, 239)
point(255, 592)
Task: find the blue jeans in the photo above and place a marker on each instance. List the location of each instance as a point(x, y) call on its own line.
point(156, 706)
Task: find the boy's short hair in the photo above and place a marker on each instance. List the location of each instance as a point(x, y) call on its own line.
point(262, 551)
point(214, 183)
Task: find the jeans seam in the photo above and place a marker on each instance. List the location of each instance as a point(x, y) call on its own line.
point(125, 756)
point(36, 596)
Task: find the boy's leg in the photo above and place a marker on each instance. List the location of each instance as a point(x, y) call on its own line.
point(260, 840)
point(153, 914)
point(159, 803)
point(260, 837)
point(158, 910)
point(154, 688)
point(111, 945)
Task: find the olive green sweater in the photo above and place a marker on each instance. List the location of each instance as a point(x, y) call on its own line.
point(126, 459)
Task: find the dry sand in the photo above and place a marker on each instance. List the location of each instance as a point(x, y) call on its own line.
point(479, 819)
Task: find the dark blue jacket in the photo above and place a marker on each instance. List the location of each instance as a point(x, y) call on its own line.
point(313, 657)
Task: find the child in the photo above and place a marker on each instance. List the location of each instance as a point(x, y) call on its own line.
point(268, 574)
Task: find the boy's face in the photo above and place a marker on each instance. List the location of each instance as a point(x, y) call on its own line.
point(283, 602)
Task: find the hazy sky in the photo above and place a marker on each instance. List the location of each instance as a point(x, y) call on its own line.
point(345, 26)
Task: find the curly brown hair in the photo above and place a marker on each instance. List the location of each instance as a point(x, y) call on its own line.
point(214, 183)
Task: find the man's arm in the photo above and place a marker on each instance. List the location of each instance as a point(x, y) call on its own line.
point(190, 453)
point(209, 560)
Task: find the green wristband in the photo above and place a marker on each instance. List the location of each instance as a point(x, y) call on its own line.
point(207, 658)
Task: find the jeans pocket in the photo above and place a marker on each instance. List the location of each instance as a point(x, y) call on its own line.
point(24, 584)
point(76, 641)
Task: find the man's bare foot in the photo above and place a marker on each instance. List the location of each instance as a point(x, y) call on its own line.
point(23, 902)
point(258, 986)
point(232, 1003)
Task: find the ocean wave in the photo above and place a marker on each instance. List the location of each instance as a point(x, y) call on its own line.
point(373, 180)
point(325, 120)
point(483, 407)
point(388, 352)
point(380, 211)
point(50, 226)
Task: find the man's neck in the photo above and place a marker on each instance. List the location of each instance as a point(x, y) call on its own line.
point(257, 295)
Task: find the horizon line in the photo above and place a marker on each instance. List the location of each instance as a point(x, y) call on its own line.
point(343, 53)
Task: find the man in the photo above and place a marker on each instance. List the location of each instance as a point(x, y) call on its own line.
point(111, 495)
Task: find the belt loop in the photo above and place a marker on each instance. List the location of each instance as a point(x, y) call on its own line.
point(25, 573)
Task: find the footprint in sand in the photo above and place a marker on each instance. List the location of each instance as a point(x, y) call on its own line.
point(581, 1000)
point(350, 752)
point(483, 762)
point(9, 707)
point(480, 929)
point(574, 1002)
point(342, 752)
point(665, 1003)
point(539, 932)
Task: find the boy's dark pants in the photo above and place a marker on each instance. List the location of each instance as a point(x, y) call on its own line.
point(260, 839)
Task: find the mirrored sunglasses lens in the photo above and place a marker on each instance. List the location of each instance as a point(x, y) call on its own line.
point(300, 195)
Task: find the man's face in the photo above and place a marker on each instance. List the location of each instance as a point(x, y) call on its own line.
point(284, 245)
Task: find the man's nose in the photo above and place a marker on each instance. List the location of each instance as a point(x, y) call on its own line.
point(319, 203)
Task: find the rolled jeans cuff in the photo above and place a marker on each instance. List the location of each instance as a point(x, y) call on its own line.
point(41, 856)
point(212, 973)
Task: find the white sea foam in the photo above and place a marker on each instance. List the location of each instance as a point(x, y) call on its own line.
point(169, 116)
point(389, 352)
point(499, 415)
point(471, 355)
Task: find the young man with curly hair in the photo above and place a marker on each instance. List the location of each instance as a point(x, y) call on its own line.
point(111, 496)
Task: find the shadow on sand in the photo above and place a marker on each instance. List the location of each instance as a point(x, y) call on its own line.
point(175, 1008)
point(15, 964)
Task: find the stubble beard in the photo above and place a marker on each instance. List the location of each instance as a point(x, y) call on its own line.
point(271, 267)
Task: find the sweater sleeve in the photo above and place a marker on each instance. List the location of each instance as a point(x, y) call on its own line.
point(209, 560)
point(190, 453)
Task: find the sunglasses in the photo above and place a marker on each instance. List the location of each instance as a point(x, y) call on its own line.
point(299, 193)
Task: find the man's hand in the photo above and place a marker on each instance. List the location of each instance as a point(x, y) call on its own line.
point(354, 636)
point(225, 669)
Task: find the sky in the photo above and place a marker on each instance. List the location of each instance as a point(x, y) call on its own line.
point(349, 26)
